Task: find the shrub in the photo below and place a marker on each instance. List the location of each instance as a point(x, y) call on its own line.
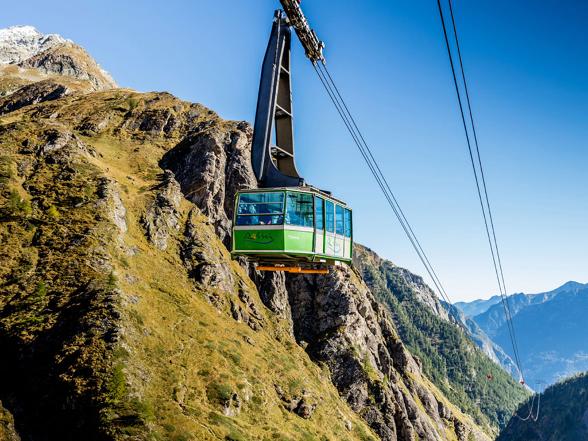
point(41, 289)
point(116, 386)
point(218, 392)
point(17, 206)
point(5, 170)
point(111, 281)
point(53, 213)
point(133, 103)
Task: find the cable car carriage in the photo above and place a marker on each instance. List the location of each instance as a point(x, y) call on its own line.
point(298, 227)
point(287, 225)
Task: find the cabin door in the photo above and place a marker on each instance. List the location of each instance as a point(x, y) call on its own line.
point(330, 228)
point(319, 236)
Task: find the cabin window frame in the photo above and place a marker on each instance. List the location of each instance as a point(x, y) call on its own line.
point(332, 224)
point(302, 217)
point(319, 200)
point(347, 223)
point(280, 215)
point(339, 222)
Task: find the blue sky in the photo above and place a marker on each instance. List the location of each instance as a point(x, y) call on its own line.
point(527, 65)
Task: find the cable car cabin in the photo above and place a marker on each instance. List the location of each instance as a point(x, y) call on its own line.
point(301, 227)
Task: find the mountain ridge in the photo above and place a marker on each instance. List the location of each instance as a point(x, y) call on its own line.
point(549, 350)
point(27, 48)
point(493, 317)
point(18, 43)
point(478, 306)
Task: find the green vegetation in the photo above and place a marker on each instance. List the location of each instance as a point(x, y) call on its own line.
point(452, 362)
point(17, 205)
point(562, 416)
point(133, 103)
point(6, 173)
point(41, 290)
point(219, 393)
point(116, 387)
point(53, 213)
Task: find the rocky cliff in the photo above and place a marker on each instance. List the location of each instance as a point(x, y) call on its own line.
point(122, 315)
point(7, 429)
point(442, 342)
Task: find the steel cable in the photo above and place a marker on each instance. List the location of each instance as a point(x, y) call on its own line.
point(491, 236)
point(506, 302)
point(343, 111)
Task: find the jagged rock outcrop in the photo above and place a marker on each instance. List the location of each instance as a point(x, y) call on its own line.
point(208, 266)
point(211, 165)
point(71, 60)
point(47, 90)
point(7, 429)
point(17, 43)
point(27, 48)
point(273, 292)
point(343, 326)
point(162, 218)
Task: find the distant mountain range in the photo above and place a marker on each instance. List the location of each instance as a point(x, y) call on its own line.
point(471, 309)
point(550, 327)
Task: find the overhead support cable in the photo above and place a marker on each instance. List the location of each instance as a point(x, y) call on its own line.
point(481, 187)
point(366, 152)
point(506, 302)
point(492, 244)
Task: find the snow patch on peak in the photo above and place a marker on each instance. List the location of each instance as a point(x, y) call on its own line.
point(24, 30)
point(17, 43)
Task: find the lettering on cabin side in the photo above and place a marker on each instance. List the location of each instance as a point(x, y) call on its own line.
point(259, 237)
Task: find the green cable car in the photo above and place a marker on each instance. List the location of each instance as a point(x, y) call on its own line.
point(299, 225)
point(286, 225)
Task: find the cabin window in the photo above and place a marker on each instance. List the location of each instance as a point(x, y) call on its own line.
point(347, 223)
point(260, 220)
point(339, 220)
point(330, 216)
point(261, 203)
point(319, 210)
point(261, 209)
point(299, 210)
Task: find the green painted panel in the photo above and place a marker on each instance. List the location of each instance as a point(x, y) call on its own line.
point(299, 240)
point(270, 240)
point(278, 242)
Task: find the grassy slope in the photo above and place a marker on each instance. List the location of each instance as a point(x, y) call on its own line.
point(177, 358)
